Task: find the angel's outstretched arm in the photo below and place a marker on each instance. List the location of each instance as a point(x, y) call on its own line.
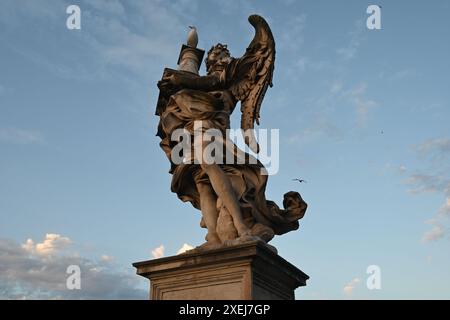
point(184, 80)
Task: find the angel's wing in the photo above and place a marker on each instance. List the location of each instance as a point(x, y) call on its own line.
point(252, 75)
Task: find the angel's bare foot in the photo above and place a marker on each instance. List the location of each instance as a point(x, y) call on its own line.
point(213, 238)
point(210, 245)
point(212, 242)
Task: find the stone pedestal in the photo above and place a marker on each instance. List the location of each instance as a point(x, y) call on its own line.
point(248, 271)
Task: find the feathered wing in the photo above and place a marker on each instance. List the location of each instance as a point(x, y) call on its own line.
point(252, 75)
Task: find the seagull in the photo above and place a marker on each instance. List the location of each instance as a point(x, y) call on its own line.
point(192, 39)
point(299, 180)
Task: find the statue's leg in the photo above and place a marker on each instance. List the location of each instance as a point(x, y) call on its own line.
point(208, 207)
point(224, 190)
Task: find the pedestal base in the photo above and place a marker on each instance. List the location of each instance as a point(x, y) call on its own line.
point(248, 271)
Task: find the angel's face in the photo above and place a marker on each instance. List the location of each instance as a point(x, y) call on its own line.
point(216, 58)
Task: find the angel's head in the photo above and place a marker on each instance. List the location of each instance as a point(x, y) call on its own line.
point(218, 56)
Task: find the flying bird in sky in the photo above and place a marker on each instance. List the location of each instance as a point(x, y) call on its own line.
point(299, 180)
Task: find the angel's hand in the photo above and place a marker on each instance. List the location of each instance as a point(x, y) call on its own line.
point(167, 83)
point(171, 79)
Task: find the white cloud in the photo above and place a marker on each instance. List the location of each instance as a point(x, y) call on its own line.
point(444, 210)
point(301, 63)
point(185, 248)
point(29, 245)
point(52, 244)
point(356, 37)
point(438, 146)
point(229, 7)
point(11, 14)
point(105, 258)
point(424, 182)
point(319, 127)
point(113, 35)
point(435, 184)
point(336, 87)
point(20, 136)
point(120, 46)
point(399, 169)
point(438, 230)
point(402, 74)
point(292, 39)
point(435, 233)
point(27, 274)
point(363, 105)
point(290, 42)
point(435, 180)
point(348, 289)
point(158, 252)
point(287, 2)
point(108, 7)
point(322, 119)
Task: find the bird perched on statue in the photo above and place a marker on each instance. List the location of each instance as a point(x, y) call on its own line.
point(192, 39)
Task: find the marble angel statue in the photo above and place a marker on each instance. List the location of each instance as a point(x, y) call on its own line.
point(230, 196)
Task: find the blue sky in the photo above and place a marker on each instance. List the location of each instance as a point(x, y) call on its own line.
point(363, 117)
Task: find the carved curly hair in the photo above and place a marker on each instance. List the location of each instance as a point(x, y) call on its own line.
point(218, 48)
